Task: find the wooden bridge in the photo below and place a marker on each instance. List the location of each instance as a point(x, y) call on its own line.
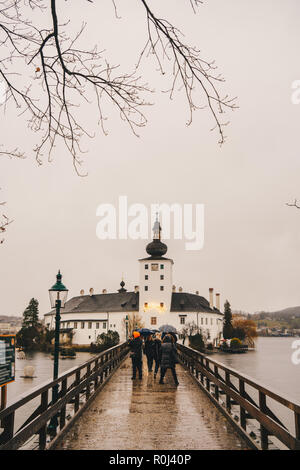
point(214, 407)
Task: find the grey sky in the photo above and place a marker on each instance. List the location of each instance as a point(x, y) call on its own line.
point(252, 240)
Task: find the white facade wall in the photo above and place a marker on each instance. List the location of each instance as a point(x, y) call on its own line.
point(154, 296)
point(88, 334)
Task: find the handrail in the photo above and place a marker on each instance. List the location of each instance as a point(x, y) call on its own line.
point(214, 385)
point(276, 395)
point(98, 371)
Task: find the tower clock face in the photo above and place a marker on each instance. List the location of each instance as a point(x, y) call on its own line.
point(154, 267)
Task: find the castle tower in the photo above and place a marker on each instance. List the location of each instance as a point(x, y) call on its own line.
point(155, 285)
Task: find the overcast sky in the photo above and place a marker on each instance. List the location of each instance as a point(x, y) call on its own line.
point(252, 240)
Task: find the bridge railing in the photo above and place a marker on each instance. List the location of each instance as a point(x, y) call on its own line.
point(253, 399)
point(76, 389)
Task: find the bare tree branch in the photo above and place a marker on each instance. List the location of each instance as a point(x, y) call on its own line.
point(294, 204)
point(64, 76)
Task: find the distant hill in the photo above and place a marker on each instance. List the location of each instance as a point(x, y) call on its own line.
point(291, 311)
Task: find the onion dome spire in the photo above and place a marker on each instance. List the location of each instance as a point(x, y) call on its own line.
point(122, 284)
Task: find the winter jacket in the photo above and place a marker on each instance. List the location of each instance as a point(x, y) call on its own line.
point(149, 348)
point(157, 350)
point(168, 355)
point(136, 346)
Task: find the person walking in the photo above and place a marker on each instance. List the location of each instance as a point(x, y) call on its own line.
point(136, 348)
point(149, 352)
point(168, 359)
point(157, 353)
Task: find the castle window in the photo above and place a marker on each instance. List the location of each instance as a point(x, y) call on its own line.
point(154, 267)
point(201, 321)
point(162, 304)
point(82, 324)
point(161, 287)
point(90, 325)
point(206, 321)
point(211, 321)
point(146, 287)
point(68, 324)
point(162, 277)
point(182, 320)
point(97, 325)
point(146, 277)
point(146, 304)
point(104, 325)
point(75, 325)
point(153, 321)
point(146, 266)
point(162, 266)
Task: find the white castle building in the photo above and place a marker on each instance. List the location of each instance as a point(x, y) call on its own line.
point(155, 300)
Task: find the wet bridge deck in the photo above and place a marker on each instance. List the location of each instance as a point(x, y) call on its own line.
point(144, 415)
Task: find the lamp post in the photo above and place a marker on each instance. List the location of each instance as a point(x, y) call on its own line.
point(126, 322)
point(58, 297)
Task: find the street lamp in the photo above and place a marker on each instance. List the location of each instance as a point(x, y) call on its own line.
point(126, 323)
point(58, 297)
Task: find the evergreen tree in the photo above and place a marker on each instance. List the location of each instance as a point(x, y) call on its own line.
point(31, 315)
point(228, 329)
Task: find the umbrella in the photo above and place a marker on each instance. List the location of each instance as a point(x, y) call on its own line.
point(145, 331)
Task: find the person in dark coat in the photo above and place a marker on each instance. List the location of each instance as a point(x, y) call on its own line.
point(149, 347)
point(136, 348)
point(157, 353)
point(168, 359)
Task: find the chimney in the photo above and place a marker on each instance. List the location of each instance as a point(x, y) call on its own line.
point(218, 301)
point(211, 297)
point(136, 289)
point(82, 292)
point(91, 291)
point(104, 291)
point(174, 289)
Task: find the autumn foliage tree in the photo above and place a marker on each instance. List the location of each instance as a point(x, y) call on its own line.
point(244, 329)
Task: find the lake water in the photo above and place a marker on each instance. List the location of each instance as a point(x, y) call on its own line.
point(271, 364)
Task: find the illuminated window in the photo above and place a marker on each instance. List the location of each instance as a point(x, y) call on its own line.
point(162, 304)
point(153, 321)
point(161, 287)
point(146, 304)
point(154, 267)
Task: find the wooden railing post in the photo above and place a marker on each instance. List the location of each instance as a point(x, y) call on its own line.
point(297, 425)
point(243, 419)
point(62, 420)
point(88, 385)
point(8, 425)
point(263, 431)
point(216, 370)
point(207, 379)
point(77, 397)
point(97, 375)
point(43, 430)
point(228, 398)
